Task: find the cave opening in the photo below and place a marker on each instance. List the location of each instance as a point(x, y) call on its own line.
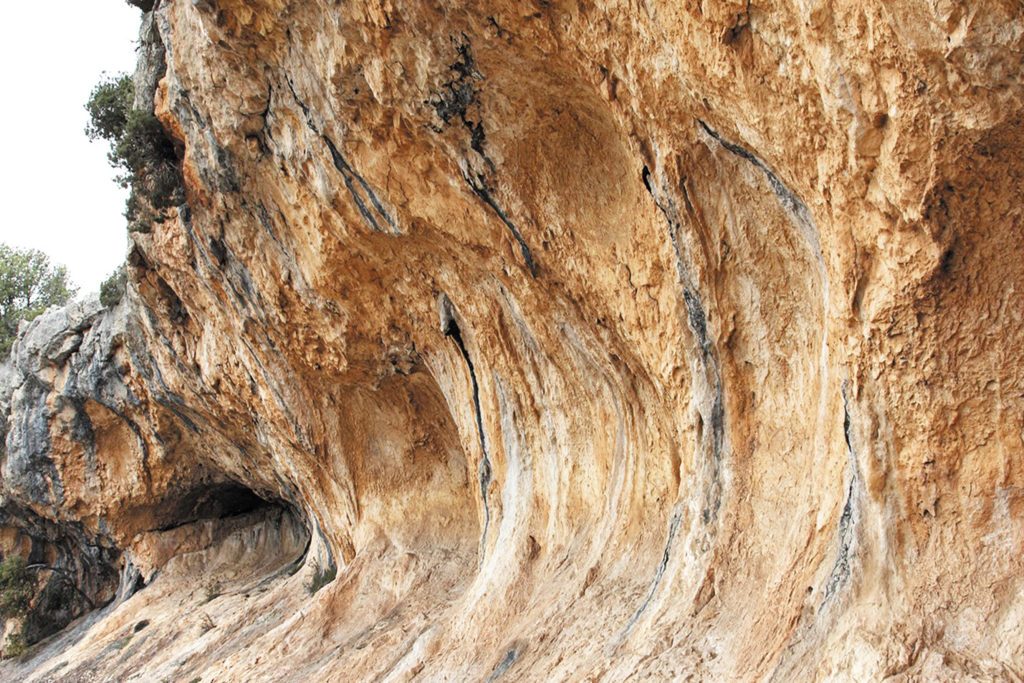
point(221, 501)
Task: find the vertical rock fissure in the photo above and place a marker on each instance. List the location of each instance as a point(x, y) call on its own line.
point(673, 529)
point(450, 328)
point(841, 569)
point(697, 322)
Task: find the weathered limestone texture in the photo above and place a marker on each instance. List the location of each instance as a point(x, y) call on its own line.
point(610, 340)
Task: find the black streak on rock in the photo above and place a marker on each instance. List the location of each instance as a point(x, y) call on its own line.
point(32, 463)
point(505, 664)
point(459, 93)
point(787, 198)
point(841, 569)
point(453, 101)
point(479, 187)
point(450, 328)
point(673, 529)
point(350, 178)
point(697, 321)
point(355, 183)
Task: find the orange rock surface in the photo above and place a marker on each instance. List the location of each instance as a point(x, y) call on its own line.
point(594, 341)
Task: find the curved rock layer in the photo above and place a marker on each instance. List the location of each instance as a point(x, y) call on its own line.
point(590, 340)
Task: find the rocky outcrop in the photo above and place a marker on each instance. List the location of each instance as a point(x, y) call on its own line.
point(612, 341)
point(96, 458)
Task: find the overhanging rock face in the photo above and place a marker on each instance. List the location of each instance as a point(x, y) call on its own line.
point(563, 341)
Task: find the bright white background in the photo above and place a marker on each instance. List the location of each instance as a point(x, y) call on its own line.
point(56, 188)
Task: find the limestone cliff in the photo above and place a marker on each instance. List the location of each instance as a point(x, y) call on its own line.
point(550, 341)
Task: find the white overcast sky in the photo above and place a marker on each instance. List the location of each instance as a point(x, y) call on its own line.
point(57, 188)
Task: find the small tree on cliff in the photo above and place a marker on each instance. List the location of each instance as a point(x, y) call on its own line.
point(17, 587)
point(29, 285)
point(112, 289)
point(139, 147)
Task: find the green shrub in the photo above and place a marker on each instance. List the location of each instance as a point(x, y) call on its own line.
point(15, 645)
point(108, 107)
point(29, 284)
point(16, 588)
point(139, 147)
point(143, 146)
point(112, 289)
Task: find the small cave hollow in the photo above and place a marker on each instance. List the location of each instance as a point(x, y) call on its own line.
point(221, 501)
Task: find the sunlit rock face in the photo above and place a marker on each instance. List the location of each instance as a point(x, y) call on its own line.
point(575, 340)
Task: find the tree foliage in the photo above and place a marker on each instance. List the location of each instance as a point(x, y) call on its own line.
point(112, 289)
point(15, 645)
point(108, 108)
point(16, 588)
point(29, 284)
point(139, 147)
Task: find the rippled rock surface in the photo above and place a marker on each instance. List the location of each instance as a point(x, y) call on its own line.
point(551, 340)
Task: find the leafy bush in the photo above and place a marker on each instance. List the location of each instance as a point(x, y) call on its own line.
point(112, 289)
point(139, 146)
point(15, 645)
point(16, 588)
point(16, 591)
point(144, 146)
point(29, 285)
point(108, 107)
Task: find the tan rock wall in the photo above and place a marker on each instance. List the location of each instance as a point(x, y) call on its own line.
point(610, 339)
